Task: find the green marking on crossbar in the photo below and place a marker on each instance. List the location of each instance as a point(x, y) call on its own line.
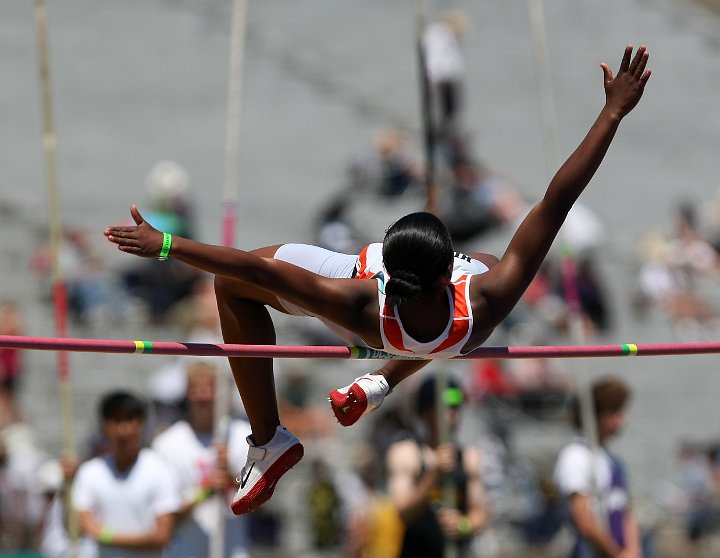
point(629, 349)
point(143, 346)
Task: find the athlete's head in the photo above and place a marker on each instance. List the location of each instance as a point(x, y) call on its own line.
point(417, 252)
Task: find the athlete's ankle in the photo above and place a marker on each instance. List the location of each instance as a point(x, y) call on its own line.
point(262, 436)
point(388, 378)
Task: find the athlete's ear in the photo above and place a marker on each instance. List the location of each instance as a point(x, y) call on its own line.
point(449, 271)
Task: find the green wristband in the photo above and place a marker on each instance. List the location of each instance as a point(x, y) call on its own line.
point(106, 535)
point(464, 526)
point(166, 245)
point(201, 495)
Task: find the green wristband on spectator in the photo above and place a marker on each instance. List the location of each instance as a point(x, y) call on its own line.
point(166, 245)
point(106, 535)
point(464, 526)
point(201, 495)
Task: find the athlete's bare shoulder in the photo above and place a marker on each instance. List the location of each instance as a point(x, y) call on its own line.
point(488, 259)
point(483, 323)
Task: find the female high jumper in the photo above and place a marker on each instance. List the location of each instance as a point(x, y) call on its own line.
point(411, 295)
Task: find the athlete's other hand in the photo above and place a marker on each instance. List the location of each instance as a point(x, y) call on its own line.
point(623, 91)
point(142, 240)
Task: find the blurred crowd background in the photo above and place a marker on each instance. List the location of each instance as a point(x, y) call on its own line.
point(331, 153)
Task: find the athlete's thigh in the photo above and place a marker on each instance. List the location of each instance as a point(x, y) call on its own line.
point(312, 258)
point(235, 287)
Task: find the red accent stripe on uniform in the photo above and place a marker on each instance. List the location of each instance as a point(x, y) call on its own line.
point(461, 323)
point(391, 327)
point(362, 272)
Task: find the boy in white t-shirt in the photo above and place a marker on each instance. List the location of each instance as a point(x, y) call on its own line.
point(126, 499)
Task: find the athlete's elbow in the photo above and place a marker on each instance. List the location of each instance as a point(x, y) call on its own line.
point(556, 207)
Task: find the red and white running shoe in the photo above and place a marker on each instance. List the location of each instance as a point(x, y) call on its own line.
point(263, 469)
point(361, 397)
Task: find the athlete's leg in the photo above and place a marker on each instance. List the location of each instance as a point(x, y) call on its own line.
point(273, 450)
point(245, 319)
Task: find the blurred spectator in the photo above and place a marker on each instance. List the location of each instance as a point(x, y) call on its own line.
point(10, 361)
point(324, 508)
point(21, 499)
point(699, 490)
point(126, 499)
point(375, 529)
point(670, 272)
point(592, 294)
point(204, 469)
point(690, 251)
point(417, 471)
point(582, 232)
point(710, 220)
point(479, 201)
point(54, 478)
point(297, 410)
point(390, 169)
point(198, 315)
point(91, 294)
point(168, 189)
point(159, 285)
point(445, 67)
point(334, 230)
point(54, 538)
point(594, 484)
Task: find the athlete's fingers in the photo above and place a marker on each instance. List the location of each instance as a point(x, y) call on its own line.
point(636, 59)
point(639, 71)
point(124, 241)
point(644, 79)
point(136, 215)
point(626, 58)
point(607, 72)
point(129, 249)
point(121, 232)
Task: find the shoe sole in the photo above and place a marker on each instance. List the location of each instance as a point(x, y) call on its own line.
point(264, 488)
point(357, 408)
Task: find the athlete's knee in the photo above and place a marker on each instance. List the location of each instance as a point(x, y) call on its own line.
point(223, 287)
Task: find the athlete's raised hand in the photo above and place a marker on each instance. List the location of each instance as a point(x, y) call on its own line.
point(142, 239)
point(623, 91)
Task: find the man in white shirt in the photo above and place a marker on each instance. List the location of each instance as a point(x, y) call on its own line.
point(594, 482)
point(126, 499)
point(203, 469)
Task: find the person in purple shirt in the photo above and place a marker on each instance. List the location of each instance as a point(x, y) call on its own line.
point(594, 484)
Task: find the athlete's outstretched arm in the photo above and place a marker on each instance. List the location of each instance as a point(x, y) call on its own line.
point(502, 286)
point(340, 300)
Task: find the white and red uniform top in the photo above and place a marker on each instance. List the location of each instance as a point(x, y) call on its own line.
point(459, 328)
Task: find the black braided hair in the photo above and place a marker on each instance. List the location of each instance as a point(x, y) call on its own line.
point(417, 251)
